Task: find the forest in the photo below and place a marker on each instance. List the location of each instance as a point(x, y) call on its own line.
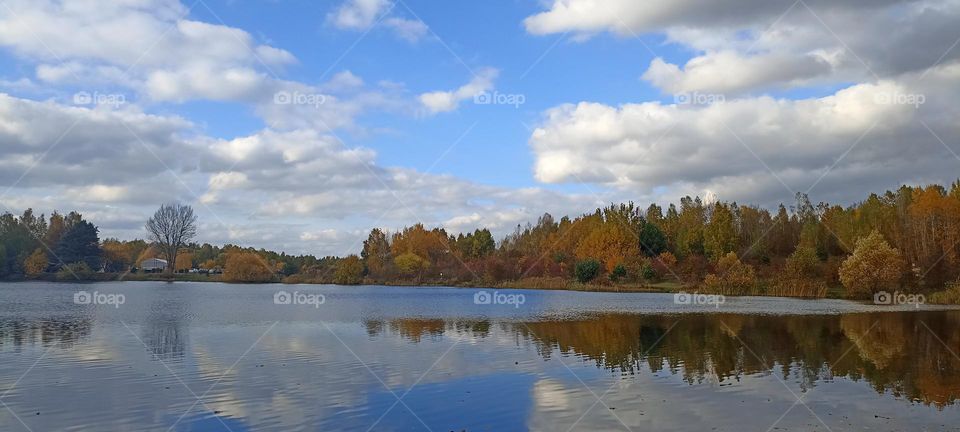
point(904, 240)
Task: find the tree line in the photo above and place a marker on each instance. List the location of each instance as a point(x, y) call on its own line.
point(905, 239)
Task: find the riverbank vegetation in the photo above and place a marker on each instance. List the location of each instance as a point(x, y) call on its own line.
point(901, 240)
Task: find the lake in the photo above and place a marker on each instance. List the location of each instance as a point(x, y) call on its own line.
point(151, 356)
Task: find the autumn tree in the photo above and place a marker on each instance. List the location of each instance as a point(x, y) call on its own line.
point(349, 271)
point(115, 255)
point(246, 267)
point(477, 244)
point(609, 242)
point(874, 266)
point(376, 253)
point(36, 263)
point(411, 264)
point(732, 277)
point(801, 275)
point(184, 261)
point(170, 228)
point(720, 234)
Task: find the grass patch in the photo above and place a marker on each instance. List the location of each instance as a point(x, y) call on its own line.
point(949, 296)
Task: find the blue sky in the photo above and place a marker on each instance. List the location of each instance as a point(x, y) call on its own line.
point(546, 70)
point(113, 108)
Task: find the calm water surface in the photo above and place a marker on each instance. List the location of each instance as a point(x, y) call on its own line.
point(211, 357)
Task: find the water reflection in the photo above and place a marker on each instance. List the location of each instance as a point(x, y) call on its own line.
point(259, 366)
point(61, 331)
point(165, 331)
point(910, 355)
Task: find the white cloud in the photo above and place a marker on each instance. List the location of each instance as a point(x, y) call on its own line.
point(146, 44)
point(730, 72)
point(745, 46)
point(445, 101)
point(363, 14)
point(358, 14)
point(407, 29)
point(696, 148)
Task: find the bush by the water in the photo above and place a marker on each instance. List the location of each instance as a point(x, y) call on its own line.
point(247, 267)
point(951, 295)
point(587, 270)
point(74, 271)
point(801, 276)
point(732, 277)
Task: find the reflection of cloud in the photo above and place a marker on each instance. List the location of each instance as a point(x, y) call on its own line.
point(550, 395)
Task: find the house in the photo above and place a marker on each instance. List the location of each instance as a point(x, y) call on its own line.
point(153, 265)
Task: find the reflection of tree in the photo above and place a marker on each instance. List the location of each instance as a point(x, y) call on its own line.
point(880, 342)
point(893, 352)
point(63, 331)
point(163, 330)
point(897, 355)
point(414, 329)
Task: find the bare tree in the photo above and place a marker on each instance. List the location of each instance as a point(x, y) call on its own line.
point(171, 227)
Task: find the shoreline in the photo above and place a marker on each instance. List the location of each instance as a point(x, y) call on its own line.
point(530, 284)
point(552, 284)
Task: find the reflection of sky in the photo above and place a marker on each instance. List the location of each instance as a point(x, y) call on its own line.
point(486, 402)
point(301, 376)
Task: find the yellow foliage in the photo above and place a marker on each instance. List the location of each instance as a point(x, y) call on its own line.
point(36, 263)
point(349, 271)
point(184, 261)
point(410, 264)
point(874, 266)
point(247, 267)
point(732, 277)
point(610, 243)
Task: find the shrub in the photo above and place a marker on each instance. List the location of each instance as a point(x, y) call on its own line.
point(619, 272)
point(874, 266)
point(36, 263)
point(801, 276)
point(732, 277)
point(411, 264)
point(951, 295)
point(587, 270)
point(648, 272)
point(349, 271)
point(71, 272)
point(247, 267)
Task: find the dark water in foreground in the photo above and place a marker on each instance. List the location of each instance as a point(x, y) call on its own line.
point(210, 357)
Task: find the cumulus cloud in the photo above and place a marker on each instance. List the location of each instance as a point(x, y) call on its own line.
point(297, 190)
point(757, 45)
point(161, 52)
point(728, 72)
point(627, 16)
point(860, 137)
point(71, 145)
point(445, 101)
point(364, 14)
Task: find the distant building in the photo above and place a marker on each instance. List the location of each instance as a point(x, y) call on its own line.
point(153, 265)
